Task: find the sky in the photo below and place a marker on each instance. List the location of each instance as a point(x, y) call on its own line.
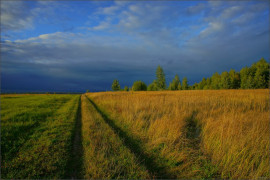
point(72, 46)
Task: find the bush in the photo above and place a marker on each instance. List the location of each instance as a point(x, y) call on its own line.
point(125, 88)
point(139, 86)
point(152, 87)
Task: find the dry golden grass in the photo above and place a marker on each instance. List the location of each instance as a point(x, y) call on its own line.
point(105, 156)
point(201, 134)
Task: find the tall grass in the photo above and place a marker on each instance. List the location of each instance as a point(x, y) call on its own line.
point(36, 135)
point(105, 155)
point(201, 134)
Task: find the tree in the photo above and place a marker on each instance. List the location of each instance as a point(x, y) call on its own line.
point(208, 84)
point(202, 83)
point(225, 80)
point(195, 86)
point(161, 82)
point(250, 83)
point(254, 77)
point(115, 85)
point(152, 86)
point(139, 86)
point(234, 79)
point(185, 84)
point(125, 88)
point(179, 87)
point(244, 78)
point(175, 84)
point(262, 74)
point(215, 81)
point(170, 87)
point(247, 77)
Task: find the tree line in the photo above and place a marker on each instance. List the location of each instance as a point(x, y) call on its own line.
point(254, 77)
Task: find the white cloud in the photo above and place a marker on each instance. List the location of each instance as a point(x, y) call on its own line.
point(243, 19)
point(23, 15)
point(139, 36)
point(110, 10)
point(15, 16)
point(213, 27)
point(102, 25)
point(56, 38)
point(197, 8)
point(231, 12)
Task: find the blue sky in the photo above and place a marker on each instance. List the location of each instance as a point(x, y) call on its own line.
point(79, 45)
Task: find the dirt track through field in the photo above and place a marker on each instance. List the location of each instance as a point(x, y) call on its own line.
point(157, 171)
point(75, 164)
point(193, 134)
point(193, 131)
point(134, 146)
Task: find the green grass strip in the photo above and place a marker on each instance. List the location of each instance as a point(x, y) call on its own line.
point(46, 151)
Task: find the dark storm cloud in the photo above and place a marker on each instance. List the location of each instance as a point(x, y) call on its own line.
point(132, 39)
point(88, 66)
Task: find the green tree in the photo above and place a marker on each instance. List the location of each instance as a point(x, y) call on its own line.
point(125, 88)
point(195, 86)
point(152, 86)
point(244, 78)
point(139, 86)
point(202, 83)
point(170, 87)
point(115, 85)
point(175, 84)
point(234, 79)
point(256, 76)
point(225, 80)
point(250, 82)
point(185, 84)
point(247, 77)
point(207, 84)
point(160, 75)
point(215, 81)
point(262, 74)
point(179, 87)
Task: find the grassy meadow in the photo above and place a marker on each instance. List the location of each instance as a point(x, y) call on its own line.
point(195, 134)
point(36, 133)
point(136, 135)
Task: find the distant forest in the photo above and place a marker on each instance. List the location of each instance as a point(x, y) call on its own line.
point(254, 77)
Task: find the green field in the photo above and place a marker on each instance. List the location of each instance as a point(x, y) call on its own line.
point(36, 135)
point(136, 135)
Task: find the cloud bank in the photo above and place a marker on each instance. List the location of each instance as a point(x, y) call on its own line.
point(126, 41)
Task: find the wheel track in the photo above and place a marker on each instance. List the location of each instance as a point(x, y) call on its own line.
point(157, 171)
point(75, 163)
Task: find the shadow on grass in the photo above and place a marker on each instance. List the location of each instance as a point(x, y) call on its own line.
point(157, 171)
point(193, 134)
point(74, 168)
point(193, 130)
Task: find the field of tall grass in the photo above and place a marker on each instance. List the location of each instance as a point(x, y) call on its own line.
point(36, 133)
point(194, 134)
point(198, 134)
point(105, 154)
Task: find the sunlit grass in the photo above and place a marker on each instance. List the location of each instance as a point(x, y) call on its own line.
point(233, 128)
point(137, 135)
point(105, 155)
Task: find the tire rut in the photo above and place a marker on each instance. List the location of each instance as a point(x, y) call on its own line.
point(134, 146)
point(75, 163)
point(193, 135)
